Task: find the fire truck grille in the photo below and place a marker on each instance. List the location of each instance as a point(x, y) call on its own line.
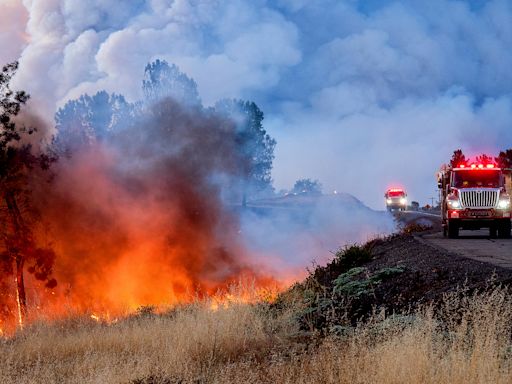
point(479, 198)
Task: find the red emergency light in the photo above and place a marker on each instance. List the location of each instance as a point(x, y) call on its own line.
point(395, 190)
point(480, 166)
point(462, 165)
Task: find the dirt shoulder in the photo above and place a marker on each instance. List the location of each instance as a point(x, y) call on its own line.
point(428, 271)
point(397, 274)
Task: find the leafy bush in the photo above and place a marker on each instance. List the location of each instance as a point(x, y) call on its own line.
point(353, 256)
point(344, 300)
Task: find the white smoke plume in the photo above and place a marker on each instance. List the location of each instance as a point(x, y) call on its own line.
point(359, 94)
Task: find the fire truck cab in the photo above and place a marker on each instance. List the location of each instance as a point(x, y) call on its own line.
point(396, 199)
point(475, 196)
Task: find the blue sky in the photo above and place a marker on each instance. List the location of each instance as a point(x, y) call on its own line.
point(359, 94)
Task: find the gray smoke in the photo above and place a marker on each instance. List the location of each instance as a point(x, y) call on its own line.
point(360, 94)
point(292, 232)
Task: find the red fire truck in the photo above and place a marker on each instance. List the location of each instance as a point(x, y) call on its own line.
point(475, 196)
point(396, 199)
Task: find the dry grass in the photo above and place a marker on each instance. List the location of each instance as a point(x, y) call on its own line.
point(465, 340)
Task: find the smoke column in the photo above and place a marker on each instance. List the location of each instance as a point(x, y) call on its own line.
point(137, 218)
point(398, 84)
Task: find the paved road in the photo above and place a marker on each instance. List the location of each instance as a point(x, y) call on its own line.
point(418, 217)
point(475, 245)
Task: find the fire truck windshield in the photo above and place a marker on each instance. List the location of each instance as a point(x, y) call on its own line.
point(476, 179)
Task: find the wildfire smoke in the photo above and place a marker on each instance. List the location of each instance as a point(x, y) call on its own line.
point(141, 216)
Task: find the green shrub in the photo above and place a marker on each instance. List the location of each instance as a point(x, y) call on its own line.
point(352, 256)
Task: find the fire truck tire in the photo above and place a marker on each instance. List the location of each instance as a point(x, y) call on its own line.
point(493, 231)
point(504, 230)
point(453, 230)
point(445, 231)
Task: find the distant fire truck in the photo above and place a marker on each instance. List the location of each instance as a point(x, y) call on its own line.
point(475, 196)
point(396, 199)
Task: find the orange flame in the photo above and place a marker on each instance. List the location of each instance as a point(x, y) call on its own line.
point(142, 228)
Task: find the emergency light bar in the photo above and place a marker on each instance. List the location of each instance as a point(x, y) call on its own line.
point(478, 166)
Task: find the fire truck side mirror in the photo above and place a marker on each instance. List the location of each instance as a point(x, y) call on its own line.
point(439, 185)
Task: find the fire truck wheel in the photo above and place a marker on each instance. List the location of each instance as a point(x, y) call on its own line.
point(453, 230)
point(493, 230)
point(445, 231)
point(504, 230)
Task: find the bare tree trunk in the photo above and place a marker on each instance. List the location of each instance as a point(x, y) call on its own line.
point(21, 297)
point(17, 252)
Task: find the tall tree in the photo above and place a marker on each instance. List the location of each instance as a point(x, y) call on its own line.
point(88, 119)
point(253, 142)
point(91, 118)
point(457, 158)
point(17, 165)
point(504, 159)
point(163, 80)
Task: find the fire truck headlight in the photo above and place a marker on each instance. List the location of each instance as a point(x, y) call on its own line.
point(504, 204)
point(403, 201)
point(389, 201)
point(454, 204)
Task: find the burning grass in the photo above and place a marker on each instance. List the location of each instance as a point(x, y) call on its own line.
point(323, 330)
point(466, 338)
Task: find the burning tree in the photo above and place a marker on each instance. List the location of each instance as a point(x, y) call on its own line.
point(18, 165)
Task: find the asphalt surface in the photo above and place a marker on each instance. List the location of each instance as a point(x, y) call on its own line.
point(476, 245)
point(418, 217)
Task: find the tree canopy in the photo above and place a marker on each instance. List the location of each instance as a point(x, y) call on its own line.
point(504, 159)
point(307, 186)
point(457, 158)
point(253, 141)
point(163, 80)
point(91, 118)
point(484, 159)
